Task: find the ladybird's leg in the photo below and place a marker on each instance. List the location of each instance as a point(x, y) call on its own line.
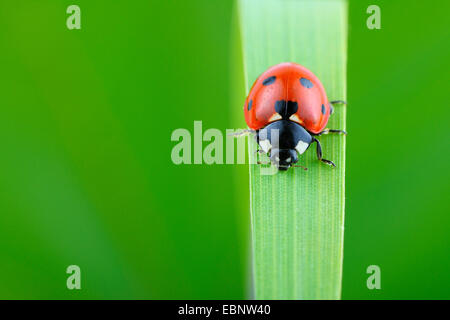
point(259, 150)
point(327, 131)
point(335, 102)
point(319, 153)
point(338, 102)
point(241, 133)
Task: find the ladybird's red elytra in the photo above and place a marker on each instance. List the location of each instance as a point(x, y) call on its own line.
point(292, 85)
point(288, 98)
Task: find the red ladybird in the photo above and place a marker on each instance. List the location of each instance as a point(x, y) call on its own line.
point(290, 99)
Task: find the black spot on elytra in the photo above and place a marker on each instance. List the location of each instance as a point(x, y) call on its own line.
point(286, 108)
point(306, 83)
point(249, 106)
point(323, 109)
point(269, 80)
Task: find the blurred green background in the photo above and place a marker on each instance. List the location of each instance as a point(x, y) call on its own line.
point(86, 176)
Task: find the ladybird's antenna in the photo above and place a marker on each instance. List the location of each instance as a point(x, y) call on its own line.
point(299, 166)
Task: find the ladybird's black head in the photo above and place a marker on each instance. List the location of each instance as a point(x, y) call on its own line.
point(283, 158)
point(283, 139)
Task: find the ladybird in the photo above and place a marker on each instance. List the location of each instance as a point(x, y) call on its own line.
point(287, 108)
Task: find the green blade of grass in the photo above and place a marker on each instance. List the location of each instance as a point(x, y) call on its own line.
point(298, 216)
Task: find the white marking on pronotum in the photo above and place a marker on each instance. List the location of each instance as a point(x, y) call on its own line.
point(295, 118)
point(265, 145)
point(301, 147)
point(275, 117)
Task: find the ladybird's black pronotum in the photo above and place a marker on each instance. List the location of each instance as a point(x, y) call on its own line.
point(287, 107)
